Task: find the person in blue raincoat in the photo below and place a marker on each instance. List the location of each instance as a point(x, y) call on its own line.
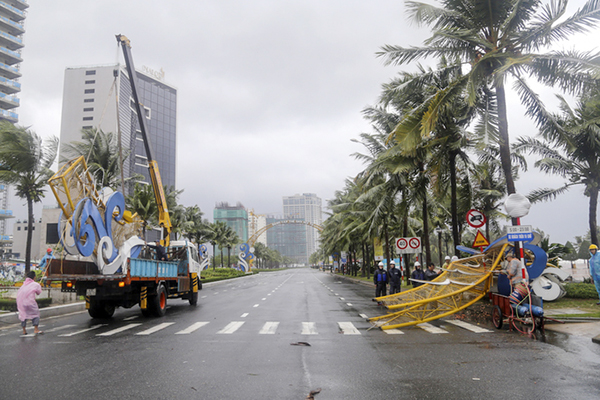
point(46, 260)
point(595, 268)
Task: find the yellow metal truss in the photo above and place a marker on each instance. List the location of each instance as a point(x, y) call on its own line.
point(461, 285)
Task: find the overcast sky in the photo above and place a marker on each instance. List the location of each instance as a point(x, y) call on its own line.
point(270, 93)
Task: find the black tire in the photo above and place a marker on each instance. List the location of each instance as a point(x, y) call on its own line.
point(158, 303)
point(497, 317)
point(101, 309)
point(193, 298)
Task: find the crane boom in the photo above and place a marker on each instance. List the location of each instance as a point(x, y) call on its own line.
point(164, 219)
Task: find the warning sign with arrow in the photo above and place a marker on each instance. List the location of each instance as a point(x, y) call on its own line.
point(480, 240)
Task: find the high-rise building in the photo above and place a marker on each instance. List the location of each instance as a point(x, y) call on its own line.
point(255, 223)
point(306, 207)
point(12, 18)
point(90, 97)
point(236, 217)
point(288, 239)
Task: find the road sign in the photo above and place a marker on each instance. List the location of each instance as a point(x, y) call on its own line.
point(408, 245)
point(476, 218)
point(480, 240)
point(519, 233)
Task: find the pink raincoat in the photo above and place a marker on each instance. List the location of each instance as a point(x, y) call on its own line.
point(26, 304)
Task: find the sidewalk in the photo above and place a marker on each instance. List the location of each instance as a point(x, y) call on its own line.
point(13, 318)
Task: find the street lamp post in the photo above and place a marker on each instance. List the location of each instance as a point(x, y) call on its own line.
point(439, 231)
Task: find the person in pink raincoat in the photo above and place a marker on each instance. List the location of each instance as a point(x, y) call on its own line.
point(26, 304)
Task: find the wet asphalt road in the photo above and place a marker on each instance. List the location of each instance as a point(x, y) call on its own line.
point(238, 344)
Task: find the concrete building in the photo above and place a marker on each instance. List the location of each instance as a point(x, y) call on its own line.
point(20, 240)
point(288, 239)
point(90, 101)
point(255, 223)
point(306, 207)
point(236, 217)
point(12, 18)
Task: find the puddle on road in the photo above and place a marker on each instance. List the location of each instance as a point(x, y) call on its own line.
point(580, 345)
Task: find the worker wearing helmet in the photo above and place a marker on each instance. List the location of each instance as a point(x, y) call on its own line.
point(595, 268)
point(417, 274)
point(380, 278)
point(446, 262)
point(395, 278)
point(46, 260)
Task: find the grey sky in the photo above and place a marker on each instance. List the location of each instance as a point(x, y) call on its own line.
point(270, 92)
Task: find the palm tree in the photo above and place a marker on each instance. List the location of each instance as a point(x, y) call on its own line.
point(570, 148)
point(25, 163)
point(143, 203)
point(101, 152)
point(499, 39)
point(231, 239)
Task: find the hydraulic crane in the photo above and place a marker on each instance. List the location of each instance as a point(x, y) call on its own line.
point(164, 220)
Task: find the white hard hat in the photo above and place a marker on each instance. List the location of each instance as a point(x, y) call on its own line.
point(447, 258)
point(417, 264)
point(392, 262)
point(380, 264)
point(454, 258)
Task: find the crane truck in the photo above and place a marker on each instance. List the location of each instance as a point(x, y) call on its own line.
point(104, 258)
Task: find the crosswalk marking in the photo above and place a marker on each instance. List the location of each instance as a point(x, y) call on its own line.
point(269, 328)
point(394, 332)
point(118, 330)
point(192, 328)
point(431, 328)
point(363, 316)
point(130, 318)
point(309, 328)
point(348, 328)
point(231, 327)
point(155, 329)
point(59, 328)
point(83, 330)
point(466, 325)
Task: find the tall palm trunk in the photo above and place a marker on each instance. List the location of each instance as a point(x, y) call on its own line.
point(504, 138)
point(228, 256)
point(387, 243)
point(454, 202)
point(592, 215)
point(214, 258)
point(29, 234)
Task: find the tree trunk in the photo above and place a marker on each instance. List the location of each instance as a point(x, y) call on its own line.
point(214, 258)
point(228, 256)
point(504, 137)
point(454, 203)
point(29, 234)
point(387, 243)
point(592, 216)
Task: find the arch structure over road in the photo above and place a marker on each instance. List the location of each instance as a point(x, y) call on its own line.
point(262, 230)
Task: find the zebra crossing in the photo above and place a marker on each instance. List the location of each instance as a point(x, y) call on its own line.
point(240, 327)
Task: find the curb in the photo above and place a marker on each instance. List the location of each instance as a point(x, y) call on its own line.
point(46, 312)
point(596, 339)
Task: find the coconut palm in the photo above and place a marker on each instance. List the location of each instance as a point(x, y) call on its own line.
point(570, 148)
point(499, 40)
point(25, 163)
point(101, 152)
point(143, 203)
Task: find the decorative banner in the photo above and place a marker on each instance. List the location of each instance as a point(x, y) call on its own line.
point(378, 247)
point(408, 245)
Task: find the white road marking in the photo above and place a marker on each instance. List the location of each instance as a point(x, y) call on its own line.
point(155, 329)
point(118, 330)
point(394, 332)
point(59, 328)
point(130, 318)
point(309, 328)
point(264, 298)
point(244, 315)
point(256, 305)
point(192, 328)
point(203, 297)
point(431, 328)
point(83, 330)
point(341, 298)
point(231, 327)
point(363, 316)
point(348, 328)
point(470, 327)
point(269, 328)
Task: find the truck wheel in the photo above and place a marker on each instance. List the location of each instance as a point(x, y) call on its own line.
point(193, 298)
point(158, 303)
point(101, 309)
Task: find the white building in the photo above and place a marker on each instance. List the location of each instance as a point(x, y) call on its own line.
point(255, 223)
point(307, 207)
point(90, 101)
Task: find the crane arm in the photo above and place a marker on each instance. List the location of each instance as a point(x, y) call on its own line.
point(164, 219)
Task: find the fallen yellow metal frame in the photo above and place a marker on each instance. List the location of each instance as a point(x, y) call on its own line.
point(464, 282)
